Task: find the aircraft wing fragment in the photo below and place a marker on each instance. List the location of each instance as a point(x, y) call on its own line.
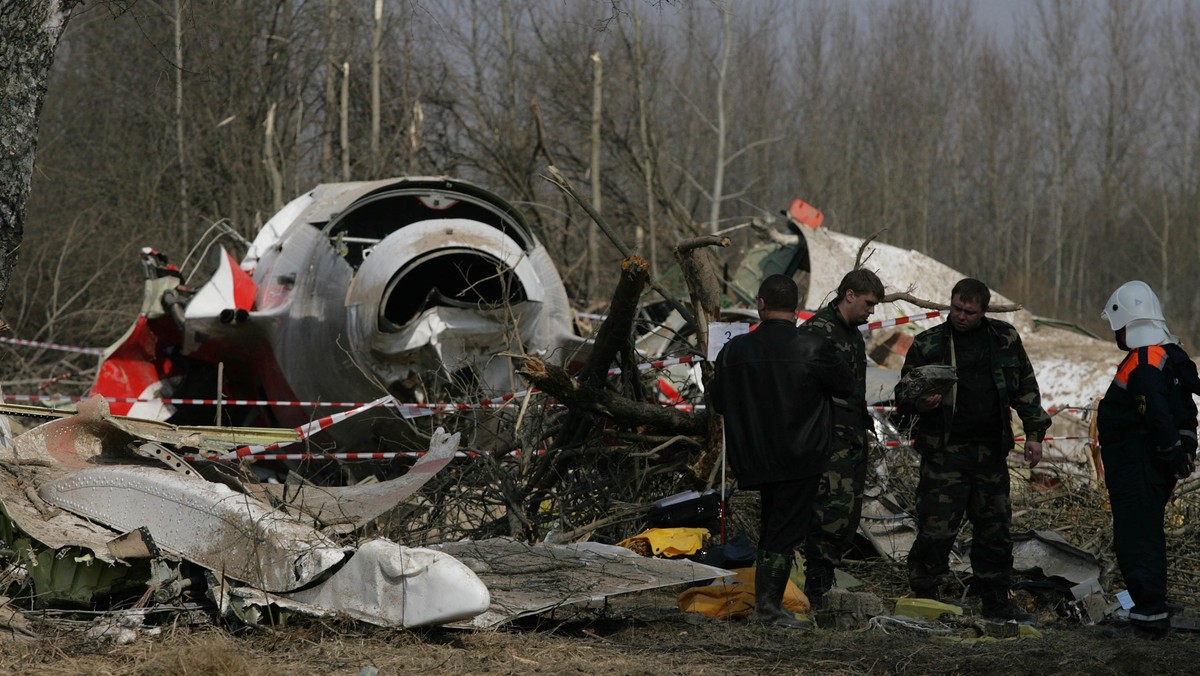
point(359, 504)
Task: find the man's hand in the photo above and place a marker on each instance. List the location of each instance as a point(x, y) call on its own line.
point(1033, 453)
point(929, 402)
point(1186, 467)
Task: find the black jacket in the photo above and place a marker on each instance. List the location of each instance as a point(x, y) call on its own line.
point(773, 385)
point(1150, 401)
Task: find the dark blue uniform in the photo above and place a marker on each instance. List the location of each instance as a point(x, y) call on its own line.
point(1147, 428)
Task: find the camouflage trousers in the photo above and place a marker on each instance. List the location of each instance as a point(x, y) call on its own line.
point(836, 512)
point(970, 480)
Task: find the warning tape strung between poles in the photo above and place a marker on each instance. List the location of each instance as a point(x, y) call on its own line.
point(99, 351)
point(52, 346)
point(306, 430)
point(384, 455)
point(359, 406)
point(169, 400)
point(893, 443)
point(497, 402)
point(897, 321)
point(1052, 410)
point(327, 456)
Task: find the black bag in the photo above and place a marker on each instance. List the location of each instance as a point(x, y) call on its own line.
point(689, 509)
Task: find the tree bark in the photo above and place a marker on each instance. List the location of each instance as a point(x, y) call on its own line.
point(700, 275)
point(29, 34)
point(556, 382)
point(614, 338)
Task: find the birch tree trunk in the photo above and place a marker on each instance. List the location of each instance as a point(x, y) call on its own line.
point(185, 214)
point(29, 34)
point(593, 238)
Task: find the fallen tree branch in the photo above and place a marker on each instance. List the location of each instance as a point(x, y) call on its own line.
point(930, 305)
point(556, 382)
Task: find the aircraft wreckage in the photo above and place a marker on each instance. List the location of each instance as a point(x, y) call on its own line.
point(100, 509)
point(409, 287)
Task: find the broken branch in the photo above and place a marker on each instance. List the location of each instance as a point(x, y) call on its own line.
point(556, 382)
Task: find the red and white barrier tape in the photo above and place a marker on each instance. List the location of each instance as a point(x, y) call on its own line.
point(1051, 410)
point(897, 321)
point(100, 351)
point(52, 346)
point(497, 402)
point(186, 402)
point(893, 443)
point(662, 363)
point(306, 430)
point(324, 456)
point(387, 455)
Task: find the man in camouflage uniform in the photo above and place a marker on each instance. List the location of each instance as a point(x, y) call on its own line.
point(964, 438)
point(838, 504)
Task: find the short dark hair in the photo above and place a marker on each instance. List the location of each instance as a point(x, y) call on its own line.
point(970, 289)
point(861, 280)
point(779, 292)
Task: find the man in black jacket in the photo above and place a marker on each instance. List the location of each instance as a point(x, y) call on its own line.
point(774, 386)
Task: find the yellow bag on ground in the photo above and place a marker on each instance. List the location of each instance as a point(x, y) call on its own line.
point(732, 598)
point(669, 541)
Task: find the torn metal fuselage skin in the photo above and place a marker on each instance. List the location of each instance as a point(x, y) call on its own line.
point(413, 285)
point(102, 509)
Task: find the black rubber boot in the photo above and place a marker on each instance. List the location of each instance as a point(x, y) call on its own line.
point(998, 607)
point(931, 593)
point(770, 581)
point(817, 582)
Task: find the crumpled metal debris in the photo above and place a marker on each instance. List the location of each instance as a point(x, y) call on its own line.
point(1049, 553)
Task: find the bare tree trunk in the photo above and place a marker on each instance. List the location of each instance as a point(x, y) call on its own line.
point(647, 159)
point(593, 229)
point(273, 173)
point(700, 275)
point(185, 216)
point(29, 34)
point(329, 127)
point(346, 121)
point(376, 59)
point(714, 212)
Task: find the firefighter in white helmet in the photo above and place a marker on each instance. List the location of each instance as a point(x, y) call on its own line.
point(1147, 427)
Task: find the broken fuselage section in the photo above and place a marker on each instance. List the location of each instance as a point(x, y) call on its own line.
point(416, 286)
point(88, 523)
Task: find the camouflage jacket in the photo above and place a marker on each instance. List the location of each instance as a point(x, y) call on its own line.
point(850, 417)
point(1011, 371)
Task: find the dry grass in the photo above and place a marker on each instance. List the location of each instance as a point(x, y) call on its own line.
point(640, 634)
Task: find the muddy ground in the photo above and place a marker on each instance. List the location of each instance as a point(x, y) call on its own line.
point(637, 634)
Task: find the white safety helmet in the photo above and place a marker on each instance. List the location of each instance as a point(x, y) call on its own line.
point(1135, 308)
point(1134, 300)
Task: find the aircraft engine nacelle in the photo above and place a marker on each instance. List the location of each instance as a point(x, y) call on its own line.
point(416, 286)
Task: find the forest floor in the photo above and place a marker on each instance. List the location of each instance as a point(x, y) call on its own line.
point(637, 634)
